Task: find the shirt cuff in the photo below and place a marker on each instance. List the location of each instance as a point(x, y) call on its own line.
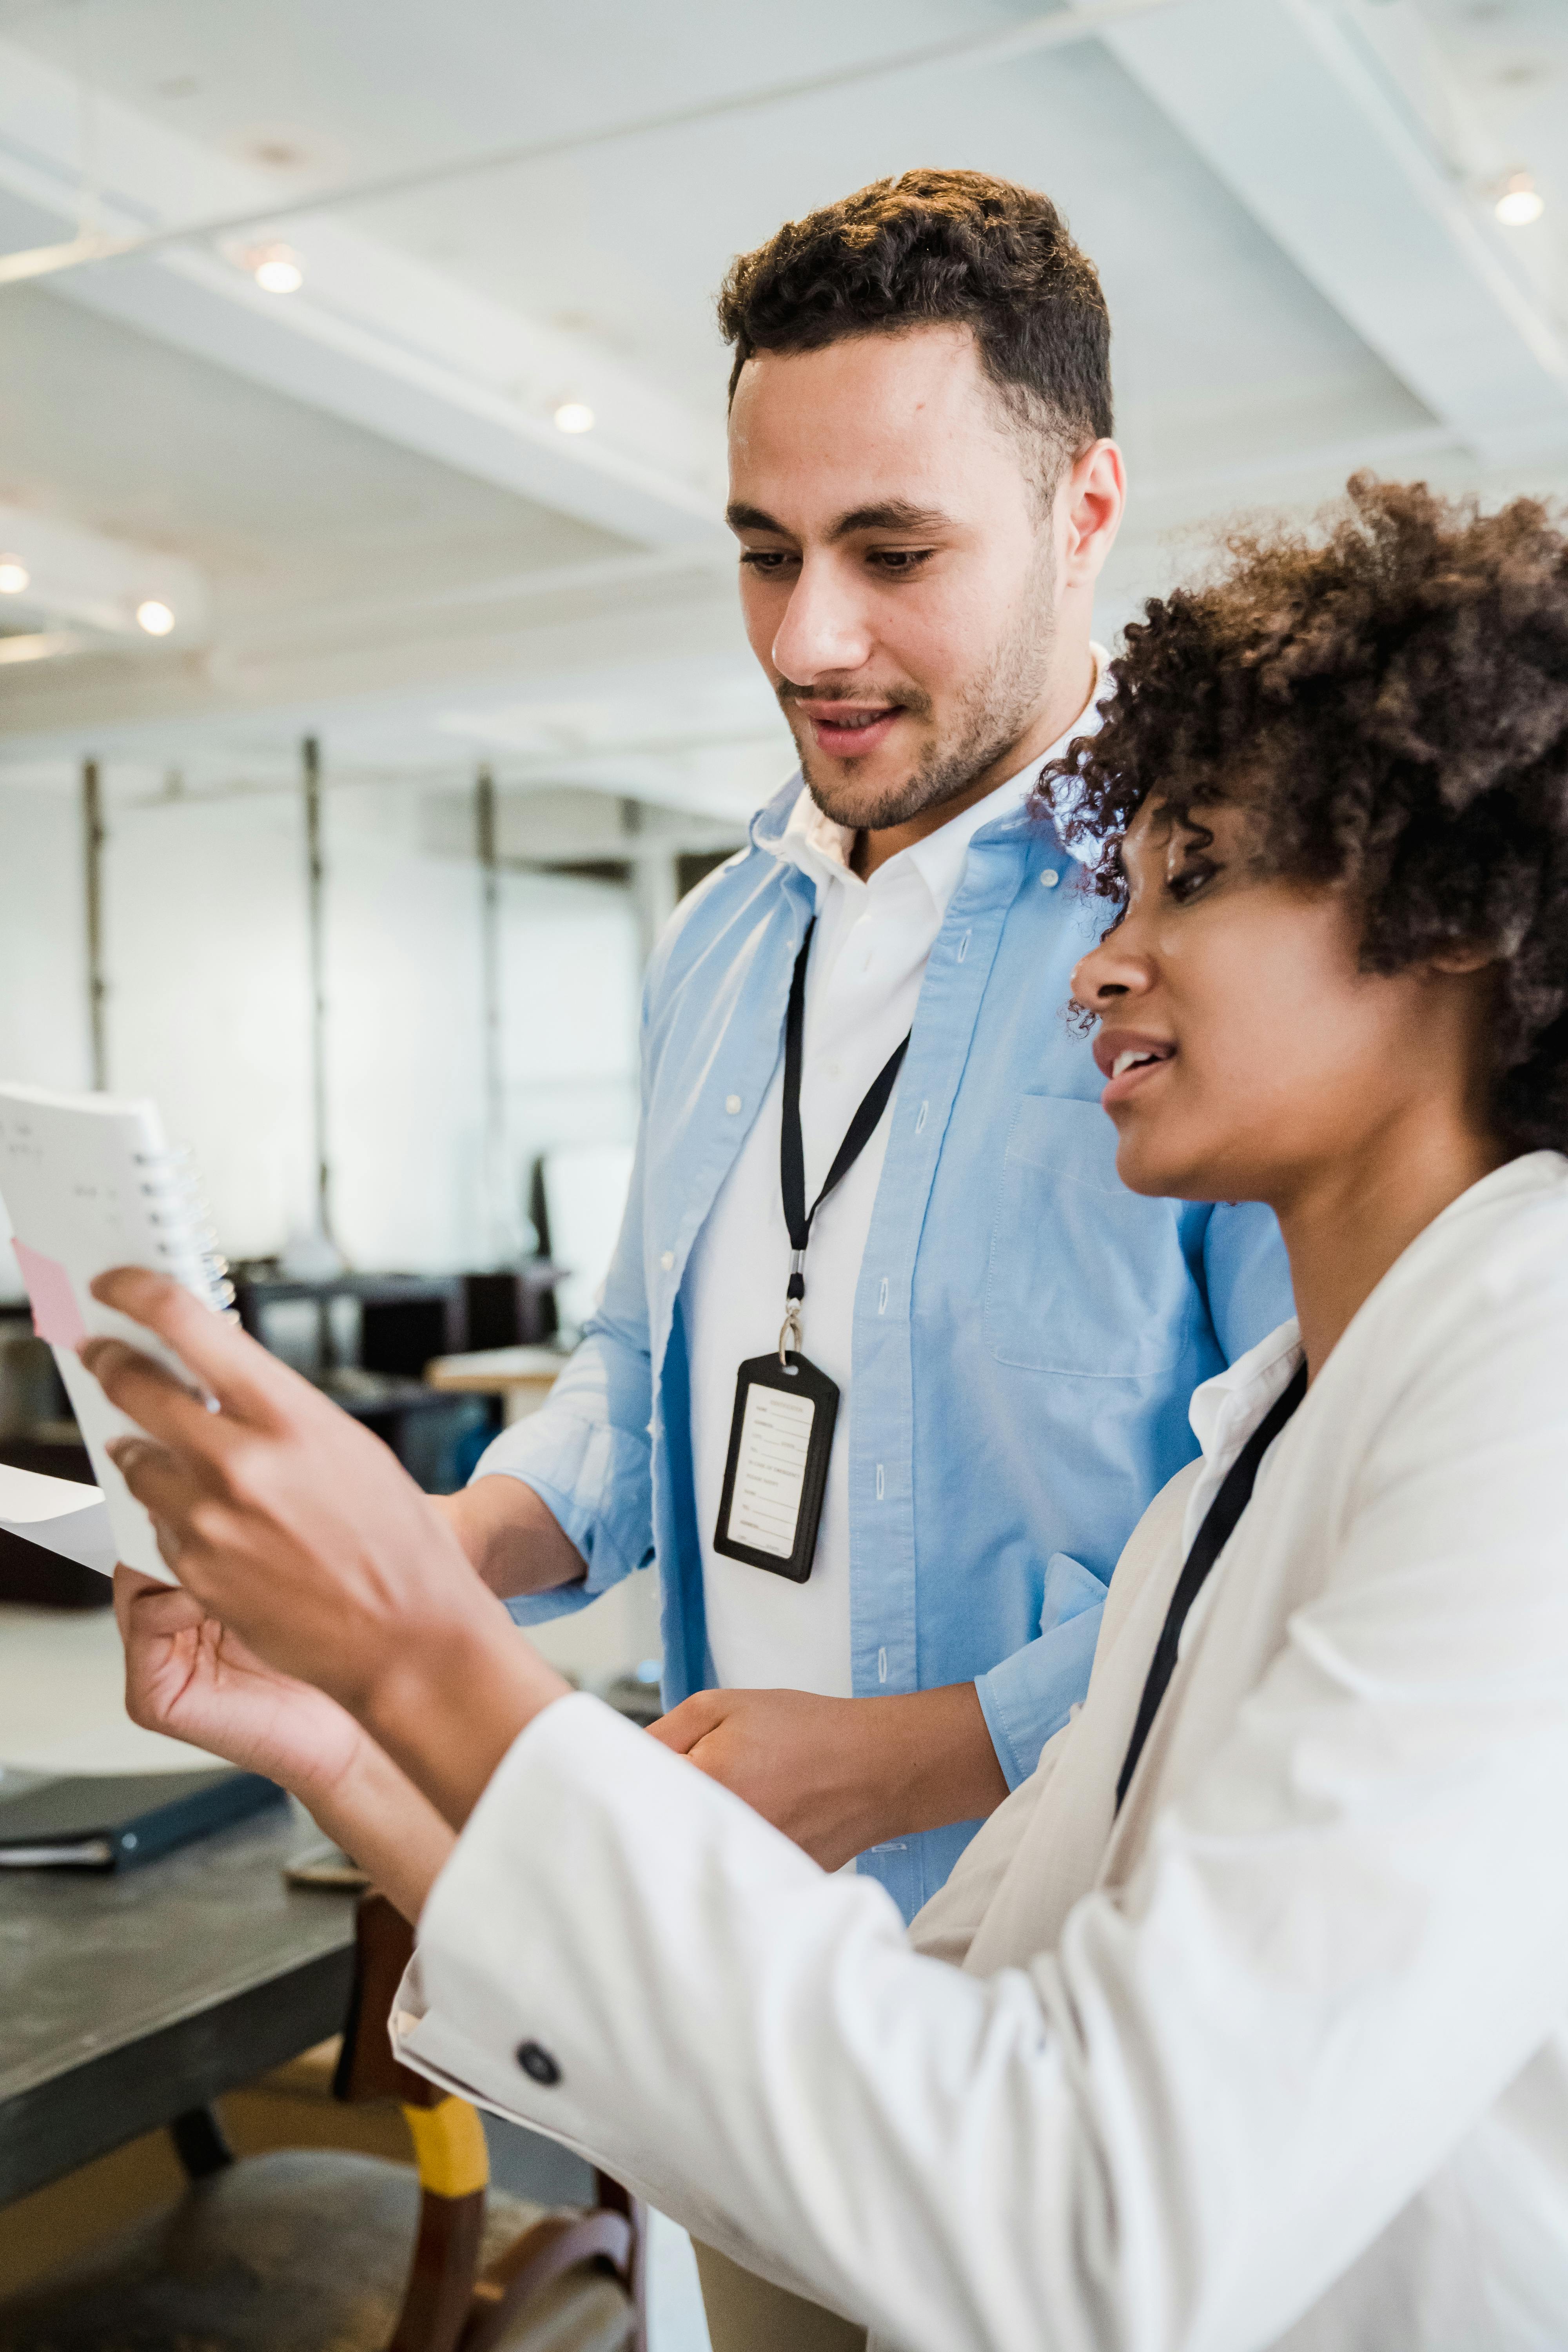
point(1027, 1699)
point(567, 1462)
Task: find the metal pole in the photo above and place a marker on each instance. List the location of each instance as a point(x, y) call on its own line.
point(93, 836)
point(316, 875)
point(502, 1233)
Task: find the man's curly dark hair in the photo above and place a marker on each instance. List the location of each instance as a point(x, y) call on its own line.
point(1388, 696)
point(940, 248)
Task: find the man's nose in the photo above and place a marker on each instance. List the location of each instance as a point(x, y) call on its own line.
point(825, 630)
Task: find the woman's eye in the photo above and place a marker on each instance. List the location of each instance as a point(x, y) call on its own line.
point(1190, 878)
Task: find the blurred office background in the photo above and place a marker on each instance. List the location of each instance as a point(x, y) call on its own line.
point(370, 681)
point(361, 461)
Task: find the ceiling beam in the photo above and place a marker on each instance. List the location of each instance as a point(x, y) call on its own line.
point(1059, 28)
point(85, 577)
point(1294, 107)
point(373, 336)
point(648, 647)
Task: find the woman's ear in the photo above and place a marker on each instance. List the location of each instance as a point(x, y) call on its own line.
point(1467, 957)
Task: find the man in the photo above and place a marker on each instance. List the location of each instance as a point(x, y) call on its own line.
point(924, 489)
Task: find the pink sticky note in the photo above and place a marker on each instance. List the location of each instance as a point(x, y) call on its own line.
point(56, 1315)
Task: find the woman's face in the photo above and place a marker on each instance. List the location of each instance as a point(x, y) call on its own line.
point(1245, 1052)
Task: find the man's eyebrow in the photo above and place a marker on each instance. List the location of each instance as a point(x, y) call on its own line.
point(887, 514)
point(745, 518)
point(891, 514)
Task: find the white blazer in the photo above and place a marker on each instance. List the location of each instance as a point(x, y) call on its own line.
point(1276, 2058)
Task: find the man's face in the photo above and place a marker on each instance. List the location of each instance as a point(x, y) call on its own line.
point(896, 567)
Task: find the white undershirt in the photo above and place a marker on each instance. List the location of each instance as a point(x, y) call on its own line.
point(868, 959)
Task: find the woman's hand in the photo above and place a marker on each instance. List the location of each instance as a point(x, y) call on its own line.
point(297, 1530)
point(188, 1676)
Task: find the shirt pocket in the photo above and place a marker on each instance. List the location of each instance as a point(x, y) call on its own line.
point(1083, 1275)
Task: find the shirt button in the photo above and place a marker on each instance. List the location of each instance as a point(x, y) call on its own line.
point(667, 1261)
point(833, 1070)
point(1050, 878)
point(731, 1104)
point(538, 2065)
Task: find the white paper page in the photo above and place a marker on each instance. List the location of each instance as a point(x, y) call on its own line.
point(87, 1183)
point(61, 1516)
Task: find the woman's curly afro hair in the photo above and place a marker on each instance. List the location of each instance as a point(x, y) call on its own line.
point(1389, 697)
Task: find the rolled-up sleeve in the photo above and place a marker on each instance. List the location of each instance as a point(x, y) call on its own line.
point(1028, 1697)
point(587, 1451)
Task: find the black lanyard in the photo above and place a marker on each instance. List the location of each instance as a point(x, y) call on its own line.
point(792, 1152)
point(1218, 1527)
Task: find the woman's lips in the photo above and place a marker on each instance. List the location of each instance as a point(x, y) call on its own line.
point(1130, 1082)
point(847, 733)
point(1128, 1061)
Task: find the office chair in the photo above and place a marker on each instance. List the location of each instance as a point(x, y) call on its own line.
point(310, 2250)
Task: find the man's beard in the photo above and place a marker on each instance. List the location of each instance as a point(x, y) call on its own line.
point(992, 713)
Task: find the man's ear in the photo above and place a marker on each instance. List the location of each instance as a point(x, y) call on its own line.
point(1091, 498)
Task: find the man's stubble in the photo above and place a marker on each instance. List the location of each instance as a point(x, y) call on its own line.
point(994, 711)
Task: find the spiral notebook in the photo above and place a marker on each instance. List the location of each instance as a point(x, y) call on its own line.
point(89, 1182)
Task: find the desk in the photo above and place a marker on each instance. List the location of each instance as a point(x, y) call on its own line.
point(522, 1377)
point(128, 2000)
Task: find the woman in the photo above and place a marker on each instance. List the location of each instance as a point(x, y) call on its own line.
point(1258, 2033)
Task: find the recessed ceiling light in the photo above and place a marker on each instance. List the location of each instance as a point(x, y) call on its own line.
point(276, 154)
point(278, 270)
point(575, 416)
point(154, 617)
point(1520, 202)
point(14, 576)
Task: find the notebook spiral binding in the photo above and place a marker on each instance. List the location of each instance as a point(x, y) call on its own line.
point(177, 1207)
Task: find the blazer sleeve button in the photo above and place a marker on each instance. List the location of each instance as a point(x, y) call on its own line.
point(538, 2065)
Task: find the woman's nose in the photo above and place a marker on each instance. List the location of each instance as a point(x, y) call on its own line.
point(1112, 970)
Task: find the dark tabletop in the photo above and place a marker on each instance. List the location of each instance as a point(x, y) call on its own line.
point(126, 1999)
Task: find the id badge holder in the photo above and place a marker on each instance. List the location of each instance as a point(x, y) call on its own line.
point(776, 1474)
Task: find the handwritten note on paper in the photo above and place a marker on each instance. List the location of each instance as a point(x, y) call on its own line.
point(770, 1471)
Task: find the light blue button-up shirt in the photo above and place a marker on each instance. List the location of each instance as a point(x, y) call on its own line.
point(1026, 1332)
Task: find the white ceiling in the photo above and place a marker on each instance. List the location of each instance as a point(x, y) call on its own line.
point(1290, 202)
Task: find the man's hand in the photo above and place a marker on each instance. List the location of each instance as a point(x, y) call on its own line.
point(839, 1775)
point(511, 1536)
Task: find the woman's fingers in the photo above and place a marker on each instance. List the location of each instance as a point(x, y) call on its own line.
point(249, 1384)
point(144, 1604)
point(166, 1486)
point(152, 1396)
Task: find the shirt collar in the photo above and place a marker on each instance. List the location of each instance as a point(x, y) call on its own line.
point(1225, 1410)
point(822, 849)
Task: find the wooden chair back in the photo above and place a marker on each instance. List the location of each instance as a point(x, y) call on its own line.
point(451, 2302)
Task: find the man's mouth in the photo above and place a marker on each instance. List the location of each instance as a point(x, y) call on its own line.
point(1126, 1059)
point(851, 730)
